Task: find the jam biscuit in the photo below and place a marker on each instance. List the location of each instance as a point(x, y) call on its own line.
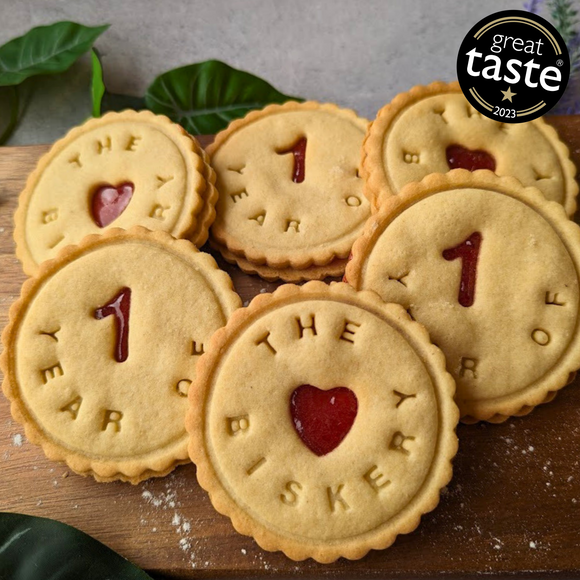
point(101, 350)
point(290, 193)
point(206, 216)
point(434, 129)
point(491, 269)
point(120, 170)
point(340, 431)
point(332, 270)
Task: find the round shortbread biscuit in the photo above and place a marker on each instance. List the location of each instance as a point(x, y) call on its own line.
point(101, 350)
point(491, 268)
point(432, 129)
point(290, 191)
point(322, 422)
point(120, 170)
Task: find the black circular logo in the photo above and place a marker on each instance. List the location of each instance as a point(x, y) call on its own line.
point(513, 66)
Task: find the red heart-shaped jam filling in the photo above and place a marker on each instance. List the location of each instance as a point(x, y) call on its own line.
point(109, 202)
point(460, 157)
point(322, 419)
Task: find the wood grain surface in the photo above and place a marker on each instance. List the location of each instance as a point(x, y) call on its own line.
point(512, 508)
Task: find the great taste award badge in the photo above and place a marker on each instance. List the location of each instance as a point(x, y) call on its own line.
point(513, 66)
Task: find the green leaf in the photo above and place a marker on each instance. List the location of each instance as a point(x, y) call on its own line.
point(102, 99)
point(41, 549)
point(45, 50)
point(97, 83)
point(10, 94)
point(206, 96)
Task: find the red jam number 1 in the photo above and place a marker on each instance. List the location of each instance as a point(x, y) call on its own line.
point(468, 252)
point(299, 152)
point(119, 307)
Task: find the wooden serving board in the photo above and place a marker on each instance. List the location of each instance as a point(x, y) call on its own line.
point(512, 508)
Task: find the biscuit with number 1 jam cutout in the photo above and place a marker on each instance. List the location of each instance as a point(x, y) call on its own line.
point(492, 270)
point(433, 129)
point(121, 170)
point(322, 422)
point(290, 191)
point(101, 350)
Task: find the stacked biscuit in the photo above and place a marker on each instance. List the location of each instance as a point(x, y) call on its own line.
point(123, 169)
point(321, 418)
point(291, 198)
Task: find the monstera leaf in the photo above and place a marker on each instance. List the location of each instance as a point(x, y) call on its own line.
point(41, 549)
point(206, 96)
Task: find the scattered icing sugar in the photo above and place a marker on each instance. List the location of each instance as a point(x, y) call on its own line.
point(533, 545)
point(17, 440)
point(169, 500)
point(185, 544)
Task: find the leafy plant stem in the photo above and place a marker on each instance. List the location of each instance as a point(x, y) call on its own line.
point(565, 18)
point(13, 105)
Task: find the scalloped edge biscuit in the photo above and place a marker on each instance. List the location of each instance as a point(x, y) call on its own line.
point(377, 188)
point(161, 462)
point(187, 223)
point(206, 215)
point(495, 410)
point(334, 269)
point(352, 549)
point(319, 255)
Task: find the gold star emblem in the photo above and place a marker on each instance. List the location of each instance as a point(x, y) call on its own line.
point(508, 95)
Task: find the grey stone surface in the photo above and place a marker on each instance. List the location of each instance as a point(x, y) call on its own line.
point(357, 53)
